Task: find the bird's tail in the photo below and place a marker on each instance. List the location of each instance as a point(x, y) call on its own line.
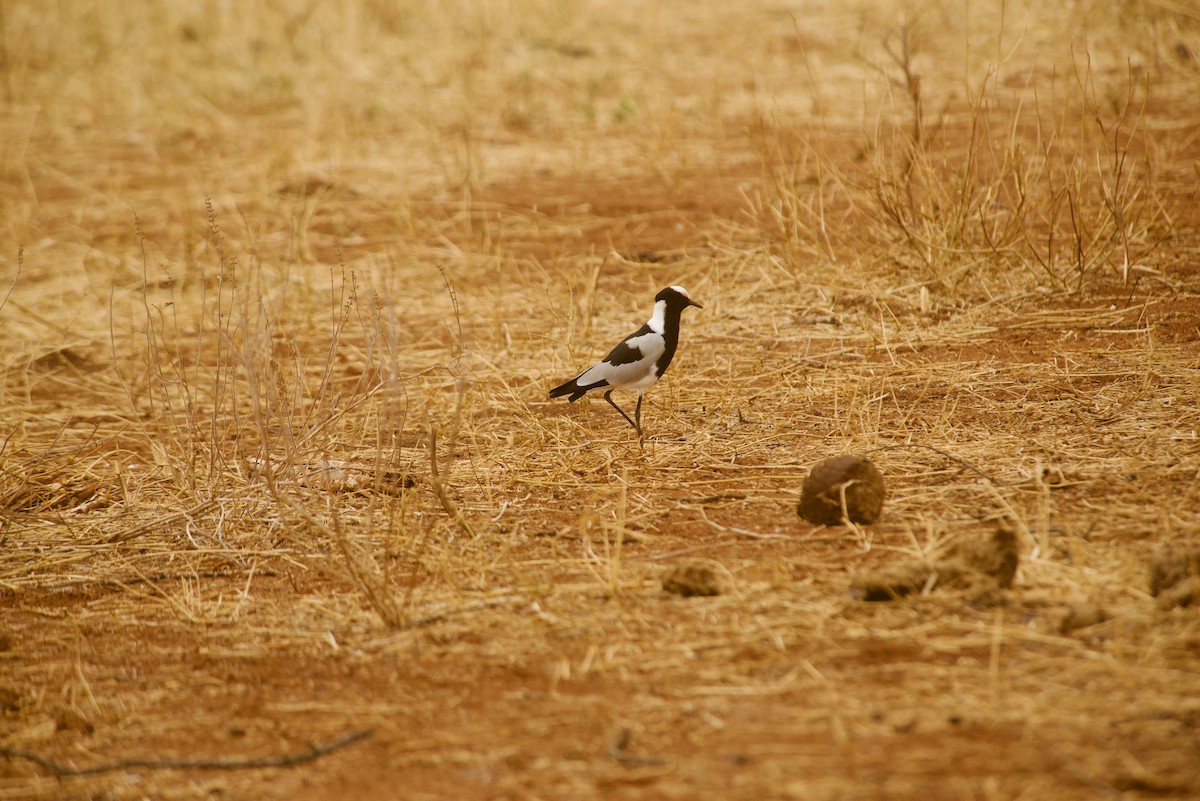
point(570, 388)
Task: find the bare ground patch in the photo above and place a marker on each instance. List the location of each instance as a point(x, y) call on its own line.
point(257, 306)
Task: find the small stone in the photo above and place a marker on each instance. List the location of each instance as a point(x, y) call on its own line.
point(892, 582)
point(692, 578)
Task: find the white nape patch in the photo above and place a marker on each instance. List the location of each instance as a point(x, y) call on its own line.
point(658, 320)
point(682, 291)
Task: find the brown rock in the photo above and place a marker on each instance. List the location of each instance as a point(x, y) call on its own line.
point(853, 477)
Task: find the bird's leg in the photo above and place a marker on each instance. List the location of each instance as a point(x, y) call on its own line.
point(612, 403)
point(637, 416)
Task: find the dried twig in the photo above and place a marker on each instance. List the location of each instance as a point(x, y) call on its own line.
point(444, 497)
point(313, 752)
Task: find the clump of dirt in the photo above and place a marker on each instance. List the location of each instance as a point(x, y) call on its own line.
point(692, 578)
point(1175, 580)
point(980, 566)
point(847, 479)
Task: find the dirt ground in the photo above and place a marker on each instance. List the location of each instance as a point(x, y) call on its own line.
point(286, 512)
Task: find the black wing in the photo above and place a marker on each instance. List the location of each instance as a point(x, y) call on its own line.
point(624, 353)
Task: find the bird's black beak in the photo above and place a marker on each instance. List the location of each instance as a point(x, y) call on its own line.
point(694, 303)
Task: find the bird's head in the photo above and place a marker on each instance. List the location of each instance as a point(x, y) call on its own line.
point(676, 297)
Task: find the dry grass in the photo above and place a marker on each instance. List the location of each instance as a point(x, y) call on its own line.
point(288, 287)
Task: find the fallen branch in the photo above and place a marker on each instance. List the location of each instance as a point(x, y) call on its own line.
point(313, 752)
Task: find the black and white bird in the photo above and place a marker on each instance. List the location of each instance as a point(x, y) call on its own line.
point(639, 360)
